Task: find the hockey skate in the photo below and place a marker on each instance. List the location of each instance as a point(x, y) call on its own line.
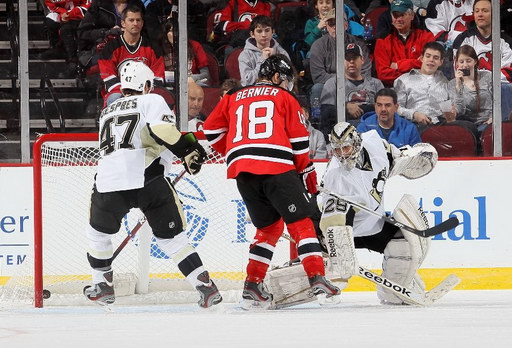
point(103, 292)
point(324, 290)
point(209, 293)
point(255, 296)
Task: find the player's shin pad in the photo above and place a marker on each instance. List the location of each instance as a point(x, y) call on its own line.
point(341, 251)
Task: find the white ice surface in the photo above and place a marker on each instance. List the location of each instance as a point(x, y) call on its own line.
point(461, 319)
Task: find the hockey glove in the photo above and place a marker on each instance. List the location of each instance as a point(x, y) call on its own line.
point(308, 176)
point(195, 159)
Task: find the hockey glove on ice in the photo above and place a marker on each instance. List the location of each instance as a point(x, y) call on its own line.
point(308, 176)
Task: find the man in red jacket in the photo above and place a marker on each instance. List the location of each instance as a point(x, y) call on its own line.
point(261, 131)
point(399, 52)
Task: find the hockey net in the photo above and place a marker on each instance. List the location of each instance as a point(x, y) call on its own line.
point(64, 169)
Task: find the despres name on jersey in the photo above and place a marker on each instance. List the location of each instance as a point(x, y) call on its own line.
point(120, 105)
point(256, 91)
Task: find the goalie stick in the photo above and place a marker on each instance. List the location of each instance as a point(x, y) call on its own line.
point(429, 232)
point(422, 299)
point(141, 222)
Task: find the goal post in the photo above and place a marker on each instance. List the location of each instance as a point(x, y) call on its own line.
point(218, 226)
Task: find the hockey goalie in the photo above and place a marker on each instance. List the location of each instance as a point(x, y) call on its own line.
point(358, 171)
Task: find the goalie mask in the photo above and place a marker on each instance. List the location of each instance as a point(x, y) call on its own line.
point(135, 75)
point(346, 144)
point(280, 64)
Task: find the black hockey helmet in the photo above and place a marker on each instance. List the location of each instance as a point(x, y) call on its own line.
point(277, 63)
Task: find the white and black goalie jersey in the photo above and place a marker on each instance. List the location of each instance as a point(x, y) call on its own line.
point(363, 184)
point(126, 146)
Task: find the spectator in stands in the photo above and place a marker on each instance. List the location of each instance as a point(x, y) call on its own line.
point(228, 85)
point(195, 105)
point(317, 145)
point(131, 45)
point(197, 60)
point(257, 48)
point(316, 27)
point(471, 89)
point(101, 24)
point(64, 17)
point(478, 36)
point(386, 121)
point(398, 52)
point(448, 18)
point(360, 91)
point(323, 56)
point(231, 23)
point(423, 94)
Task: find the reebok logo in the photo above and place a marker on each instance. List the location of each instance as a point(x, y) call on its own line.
point(384, 282)
point(330, 244)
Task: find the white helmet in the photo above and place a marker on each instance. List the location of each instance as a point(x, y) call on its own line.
point(346, 144)
point(135, 75)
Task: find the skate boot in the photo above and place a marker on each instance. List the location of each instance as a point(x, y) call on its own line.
point(255, 296)
point(322, 287)
point(209, 293)
point(102, 293)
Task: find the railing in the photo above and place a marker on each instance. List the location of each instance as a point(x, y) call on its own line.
point(47, 85)
point(13, 30)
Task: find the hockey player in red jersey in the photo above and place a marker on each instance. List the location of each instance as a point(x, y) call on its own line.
point(261, 131)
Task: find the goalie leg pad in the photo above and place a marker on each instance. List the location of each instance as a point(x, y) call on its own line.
point(289, 286)
point(341, 251)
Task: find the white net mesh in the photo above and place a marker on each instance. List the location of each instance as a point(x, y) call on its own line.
point(217, 225)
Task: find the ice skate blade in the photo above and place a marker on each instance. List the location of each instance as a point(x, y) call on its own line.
point(333, 300)
point(251, 305)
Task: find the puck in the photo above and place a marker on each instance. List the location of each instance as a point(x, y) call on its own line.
point(46, 294)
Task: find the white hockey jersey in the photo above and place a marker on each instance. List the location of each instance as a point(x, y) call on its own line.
point(447, 19)
point(364, 186)
point(126, 146)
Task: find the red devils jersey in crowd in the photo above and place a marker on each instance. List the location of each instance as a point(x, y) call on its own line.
point(260, 129)
point(238, 14)
point(76, 9)
point(448, 18)
point(117, 52)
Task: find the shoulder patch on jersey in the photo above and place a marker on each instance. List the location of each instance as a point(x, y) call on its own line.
point(168, 118)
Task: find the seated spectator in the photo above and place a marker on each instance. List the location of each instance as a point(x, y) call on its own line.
point(195, 105)
point(360, 91)
point(478, 36)
point(423, 93)
point(398, 52)
point(315, 27)
point(446, 19)
point(471, 89)
point(317, 145)
point(131, 45)
point(386, 121)
point(64, 17)
point(197, 59)
point(231, 24)
point(323, 56)
point(257, 48)
point(228, 85)
point(101, 24)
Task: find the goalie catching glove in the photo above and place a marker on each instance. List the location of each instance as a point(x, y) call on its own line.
point(308, 176)
point(415, 162)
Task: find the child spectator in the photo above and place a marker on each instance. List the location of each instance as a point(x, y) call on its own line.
point(197, 59)
point(317, 145)
point(398, 52)
point(471, 89)
point(228, 85)
point(257, 48)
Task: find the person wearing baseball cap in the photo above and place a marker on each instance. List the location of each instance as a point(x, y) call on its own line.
point(398, 52)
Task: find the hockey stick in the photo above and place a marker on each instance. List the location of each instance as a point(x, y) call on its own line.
point(411, 296)
point(429, 232)
point(141, 222)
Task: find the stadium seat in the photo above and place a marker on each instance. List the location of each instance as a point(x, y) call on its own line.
point(451, 140)
point(213, 67)
point(374, 15)
point(506, 139)
point(211, 98)
point(231, 64)
point(287, 6)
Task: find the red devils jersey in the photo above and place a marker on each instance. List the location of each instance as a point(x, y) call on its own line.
point(76, 9)
point(117, 52)
point(234, 17)
point(260, 129)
